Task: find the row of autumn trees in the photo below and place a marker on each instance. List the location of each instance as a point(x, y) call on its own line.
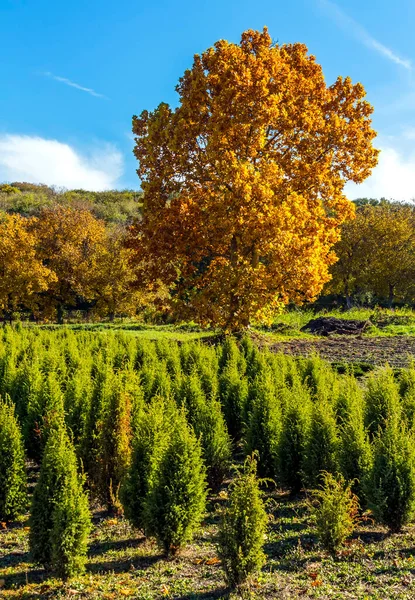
point(65, 258)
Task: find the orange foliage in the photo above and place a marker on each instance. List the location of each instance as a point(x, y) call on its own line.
point(70, 243)
point(22, 274)
point(243, 182)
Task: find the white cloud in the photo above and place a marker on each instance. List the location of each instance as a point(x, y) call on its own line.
point(77, 86)
point(394, 177)
point(39, 160)
point(362, 34)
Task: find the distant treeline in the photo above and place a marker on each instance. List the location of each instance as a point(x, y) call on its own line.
point(112, 206)
point(65, 250)
point(376, 255)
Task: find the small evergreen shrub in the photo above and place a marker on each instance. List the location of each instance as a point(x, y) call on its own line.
point(355, 453)
point(390, 484)
point(382, 400)
point(294, 438)
point(176, 502)
point(320, 378)
point(322, 445)
point(207, 420)
point(264, 425)
point(13, 485)
point(114, 446)
point(407, 393)
point(102, 388)
point(243, 527)
point(149, 443)
point(44, 405)
point(233, 392)
point(60, 520)
point(334, 509)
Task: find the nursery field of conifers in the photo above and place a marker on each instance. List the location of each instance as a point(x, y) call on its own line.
point(153, 469)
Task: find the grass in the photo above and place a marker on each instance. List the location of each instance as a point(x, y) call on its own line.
point(285, 326)
point(180, 333)
point(123, 564)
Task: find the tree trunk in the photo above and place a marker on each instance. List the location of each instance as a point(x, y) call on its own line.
point(391, 295)
point(60, 314)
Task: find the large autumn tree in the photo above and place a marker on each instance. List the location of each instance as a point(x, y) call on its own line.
point(243, 181)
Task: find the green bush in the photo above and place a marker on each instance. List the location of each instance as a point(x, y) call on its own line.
point(390, 484)
point(355, 452)
point(60, 520)
point(334, 509)
point(320, 377)
point(243, 527)
point(264, 425)
point(176, 502)
point(45, 404)
point(114, 446)
point(407, 393)
point(322, 445)
point(382, 400)
point(149, 443)
point(207, 420)
point(13, 485)
point(233, 392)
point(229, 353)
point(102, 387)
point(294, 439)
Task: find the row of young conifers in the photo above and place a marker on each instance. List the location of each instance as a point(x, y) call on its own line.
point(149, 428)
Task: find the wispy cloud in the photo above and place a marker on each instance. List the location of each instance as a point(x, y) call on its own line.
point(77, 86)
point(348, 23)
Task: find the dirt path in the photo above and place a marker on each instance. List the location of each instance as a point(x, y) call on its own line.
point(370, 350)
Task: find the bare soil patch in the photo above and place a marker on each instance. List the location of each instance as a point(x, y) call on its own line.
point(396, 351)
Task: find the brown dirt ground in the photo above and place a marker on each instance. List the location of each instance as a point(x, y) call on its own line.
point(396, 351)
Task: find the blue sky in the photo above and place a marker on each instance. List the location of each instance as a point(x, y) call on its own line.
point(73, 73)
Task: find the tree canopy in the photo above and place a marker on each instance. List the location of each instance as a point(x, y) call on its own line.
point(243, 181)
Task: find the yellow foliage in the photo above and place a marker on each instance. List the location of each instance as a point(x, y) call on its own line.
point(23, 275)
point(377, 253)
point(243, 182)
point(70, 243)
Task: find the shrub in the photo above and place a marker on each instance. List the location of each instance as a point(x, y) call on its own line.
point(407, 392)
point(320, 377)
point(242, 528)
point(294, 438)
point(43, 407)
point(208, 423)
point(60, 519)
point(176, 501)
point(382, 400)
point(322, 444)
point(77, 397)
point(233, 392)
point(149, 442)
point(13, 486)
point(334, 508)
point(230, 353)
point(390, 485)
point(114, 446)
point(102, 387)
point(354, 448)
point(264, 425)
